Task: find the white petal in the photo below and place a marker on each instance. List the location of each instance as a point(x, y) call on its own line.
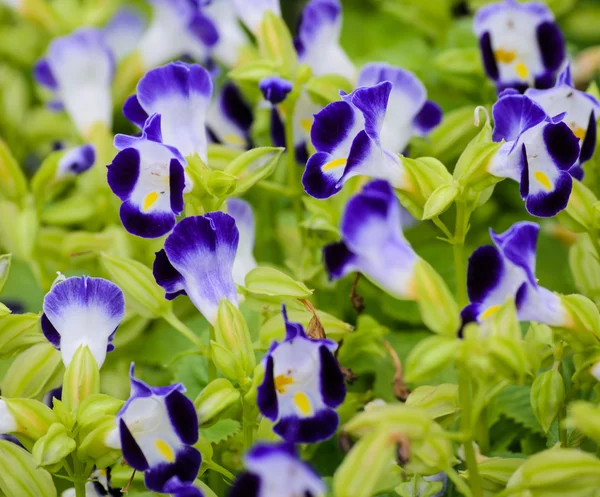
point(8, 423)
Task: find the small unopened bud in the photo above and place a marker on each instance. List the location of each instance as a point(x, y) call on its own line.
point(231, 331)
point(82, 378)
point(215, 398)
point(54, 446)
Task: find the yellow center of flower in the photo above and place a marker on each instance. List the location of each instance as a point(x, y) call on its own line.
point(522, 70)
point(165, 450)
point(490, 311)
point(334, 163)
point(543, 179)
point(505, 56)
point(306, 124)
point(303, 403)
point(235, 140)
point(282, 381)
point(579, 133)
point(150, 200)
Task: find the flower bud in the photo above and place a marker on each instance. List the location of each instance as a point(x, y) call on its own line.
point(582, 322)
point(253, 166)
point(429, 357)
point(54, 446)
point(93, 446)
point(13, 184)
point(368, 461)
point(441, 401)
point(274, 283)
point(96, 405)
point(34, 371)
point(557, 472)
point(585, 267)
point(231, 331)
point(19, 331)
point(413, 421)
point(547, 397)
point(326, 88)
point(495, 472)
point(20, 475)
point(252, 72)
point(220, 184)
point(579, 215)
point(275, 44)
point(137, 282)
point(82, 378)
point(225, 361)
point(20, 234)
point(504, 323)
point(508, 358)
point(5, 262)
point(440, 200)
point(586, 418)
point(27, 418)
point(215, 398)
point(438, 308)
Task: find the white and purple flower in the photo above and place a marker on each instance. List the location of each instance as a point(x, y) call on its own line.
point(507, 271)
point(539, 152)
point(180, 94)
point(229, 118)
point(156, 430)
point(198, 261)
point(520, 43)
point(83, 312)
point(252, 12)
point(232, 36)
point(362, 134)
point(150, 180)
point(178, 27)
point(277, 471)
point(373, 242)
point(124, 31)
point(244, 262)
point(303, 385)
point(318, 39)
point(581, 112)
point(79, 69)
point(76, 161)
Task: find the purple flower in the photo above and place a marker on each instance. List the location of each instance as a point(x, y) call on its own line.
point(229, 118)
point(244, 261)
point(198, 260)
point(276, 471)
point(373, 242)
point(123, 32)
point(76, 161)
point(507, 271)
point(302, 387)
point(83, 312)
point(520, 44)
point(156, 430)
point(275, 89)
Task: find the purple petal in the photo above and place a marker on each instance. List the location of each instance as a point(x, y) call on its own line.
point(428, 117)
point(332, 126)
point(552, 45)
point(246, 485)
point(372, 102)
point(50, 332)
point(146, 224)
point(176, 186)
point(333, 386)
point(317, 182)
point(184, 419)
point(167, 276)
point(43, 74)
point(589, 142)
point(518, 245)
point(183, 471)
point(267, 395)
point(124, 173)
point(275, 89)
point(485, 270)
point(133, 111)
point(514, 114)
point(317, 428)
point(131, 450)
point(203, 28)
point(549, 204)
point(562, 145)
point(487, 54)
point(339, 260)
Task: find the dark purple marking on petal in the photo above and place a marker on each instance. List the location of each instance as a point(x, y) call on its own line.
point(275, 89)
point(428, 117)
point(246, 485)
point(133, 111)
point(277, 129)
point(524, 183)
point(333, 386)
point(484, 272)
point(292, 330)
point(519, 244)
point(187, 491)
point(124, 173)
point(183, 471)
point(50, 332)
point(544, 81)
point(86, 158)
point(468, 315)
point(146, 224)
point(167, 276)
point(552, 45)
point(43, 74)
point(521, 295)
point(267, 395)
point(131, 450)
point(577, 172)
point(184, 419)
point(589, 142)
point(301, 154)
point(331, 126)
point(562, 145)
point(487, 54)
point(372, 102)
point(319, 184)
point(549, 204)
point(235, 107)
point(204, 29)
point(362, 148)
point(176, 186)
point(339, 260)
point(317, 428)
point(514, 114)
point(152, 130)
point(267, 450)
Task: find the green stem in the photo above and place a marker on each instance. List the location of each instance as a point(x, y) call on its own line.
point(174, 321)
point(248, 422)
point(292, 167)
point(459, 483)
point(212, 369)
point(272, 187)
point(444, 229)
point(460, 262)
point(464, 392)
point(483, 438)
point(220, 469)
point(80, 488)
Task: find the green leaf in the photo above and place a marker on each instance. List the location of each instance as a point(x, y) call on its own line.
point(221, 430)
point(514, 403)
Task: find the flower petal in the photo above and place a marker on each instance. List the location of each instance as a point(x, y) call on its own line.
point(244, 262)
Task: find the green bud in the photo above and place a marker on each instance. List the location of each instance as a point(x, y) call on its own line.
point(231, 331)
point(221, 184)
point(82, 242)
point(586, 418)
point(63, 415)
point(438, 308)
point(326, 89)
point(508, 358)
point(93, 447)
point(4, 311)
point(582, 322)
point(439, 201)
point(253, 72)
point(439, 401)
point(274, 283)
point(17, 332)
point(28, 418)
point(82, 378)
point(5, 263)
point(498, 470)
point(54, 446)
point(34, 371)
point(215, 398)
point(13, 184)
point(137, 282)
point(45, 177)
point(429, 357)
point(580, 214)
point(225, 361)
point(557, 472)
point(413, 421)
point(504, 323)
point(547, 397)
point(585, 267)
point(20, 234)
point(275, 44)
point(253, 166)
point(96, 405)
point(20, 475)
point(424, 176)
point(368, 461)
point(419, 487)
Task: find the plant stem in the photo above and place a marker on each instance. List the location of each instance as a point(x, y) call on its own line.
point(270, 186)
point(247, 424)
point(80, 488)
point(444, 229)
point(459, 253)
point(459, 483)
point(292, 166)
point(464, 392)
point(212, 369)
point(220, 469)
point(174, 321)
